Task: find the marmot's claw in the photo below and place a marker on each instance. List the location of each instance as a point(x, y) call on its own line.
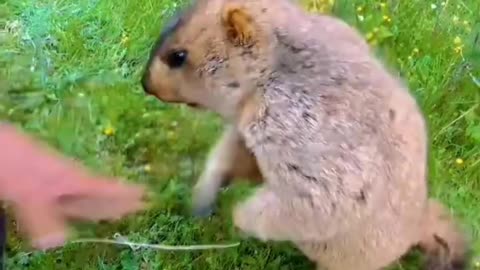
point(203, 211)
point(204, 200)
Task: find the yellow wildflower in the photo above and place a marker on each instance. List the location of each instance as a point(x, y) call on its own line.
point(416, 50)
point(386, 18)
point(459, 161)
point(383, 5)
point(359, 9)
point(125, 39)
point(455, 19)
point(458, 45)
point(458, 49)
point(323, 6)
point(457, 41)
point(147, 168)
point(109, 131)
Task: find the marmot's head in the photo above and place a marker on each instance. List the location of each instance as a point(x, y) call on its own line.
point(211, 56)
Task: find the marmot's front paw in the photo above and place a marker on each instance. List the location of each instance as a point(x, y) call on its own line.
point(202, 211)
point(203, 201)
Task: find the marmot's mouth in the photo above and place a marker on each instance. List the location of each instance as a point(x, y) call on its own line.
point(193, 105)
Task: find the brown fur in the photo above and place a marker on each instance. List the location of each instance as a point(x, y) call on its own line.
point(338, 144)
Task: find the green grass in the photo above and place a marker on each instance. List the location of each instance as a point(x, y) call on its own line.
point(70, 69)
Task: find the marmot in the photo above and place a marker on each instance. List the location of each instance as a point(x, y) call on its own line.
point(338, 143)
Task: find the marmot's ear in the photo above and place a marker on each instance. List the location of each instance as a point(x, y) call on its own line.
point(238, 24)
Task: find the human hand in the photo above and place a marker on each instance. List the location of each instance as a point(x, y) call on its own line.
point(47, 191)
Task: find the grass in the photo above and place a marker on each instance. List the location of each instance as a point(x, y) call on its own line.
point(69, 74)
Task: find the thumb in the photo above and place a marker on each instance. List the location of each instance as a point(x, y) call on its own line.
point(43, 225)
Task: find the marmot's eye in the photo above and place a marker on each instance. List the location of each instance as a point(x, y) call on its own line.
point(177, 58)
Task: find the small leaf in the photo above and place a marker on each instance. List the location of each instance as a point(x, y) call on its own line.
point(384, 33)
point(474, 133)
